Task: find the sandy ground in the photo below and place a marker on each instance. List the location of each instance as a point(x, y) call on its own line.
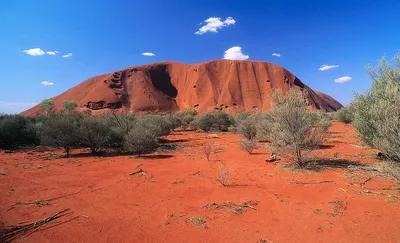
point(177, 197)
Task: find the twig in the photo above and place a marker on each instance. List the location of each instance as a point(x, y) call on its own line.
point(11, 233)
point(364, 182)
point(44, 202)
point(311, 182)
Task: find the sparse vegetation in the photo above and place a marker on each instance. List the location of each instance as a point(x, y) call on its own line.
point(291, 128)
point(219, 121)
point(141, 139)
point(345, 114)
point(62, 130)
point(248, 146)
point(207, 149)
point(248, 128)
point(69, 105)
point(17, 131)
point(377, 112)
point(47, 105)
point(223, 175)
point(95, 133)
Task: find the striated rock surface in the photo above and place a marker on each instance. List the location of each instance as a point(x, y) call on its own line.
point(171, 86)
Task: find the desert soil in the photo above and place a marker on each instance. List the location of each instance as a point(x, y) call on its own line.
point(175, 196)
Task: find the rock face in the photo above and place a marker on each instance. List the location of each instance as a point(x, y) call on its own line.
point(171, 86)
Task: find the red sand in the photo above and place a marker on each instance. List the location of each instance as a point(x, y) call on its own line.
point(171, 86)
point(116, 207)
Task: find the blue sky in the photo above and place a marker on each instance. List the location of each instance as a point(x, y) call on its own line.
point(105, 36)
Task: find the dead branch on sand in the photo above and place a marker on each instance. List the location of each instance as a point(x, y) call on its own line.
point(140, 171)
point(44, 202)
point(10, 233)
point(233, 208)
point(294, 181)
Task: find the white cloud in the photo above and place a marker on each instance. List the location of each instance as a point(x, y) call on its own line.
point(276, 54)
point(343, 79)
point(148, 54)
point(67, 55)
point(327, 67)
point(46, 83)
point(34, 52)
point(52, 53)
point(9, 107)
point(235, 53)
point(213, 24)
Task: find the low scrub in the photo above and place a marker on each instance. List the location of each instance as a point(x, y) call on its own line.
point(377, 112)
point(345, 114)
point(142, 139)
point(291, 128)
point(16, 131)
point(62, 130)
point(219, 121)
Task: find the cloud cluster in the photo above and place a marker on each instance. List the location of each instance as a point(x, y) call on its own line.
point(235, 53)
point(343, 79)
point(213, 24)
point(46, 83)
point(276, 54)
point(148, 54)
point(34, 52)
point(327, 67)
point(39, 52)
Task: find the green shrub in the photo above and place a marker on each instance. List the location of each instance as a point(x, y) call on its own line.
point(345, 114)
point(186, 117)
point(62, 130)
point(247, 128)
point(17, 131)
point(47, 105)
point(120, 124)
point(95, 133)
point(241, 116)
point(140, 140)
point(69, 105)
point(219, 121)
point(291, 128)
point(377, 112)
point(160, 124)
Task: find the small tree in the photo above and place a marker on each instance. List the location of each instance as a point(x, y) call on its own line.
point(69, 105)
point(207, 149)
point(292, 129)
point(377, 112)
point(248, 146)
point(345, 114)
point(95, 133)
point(247, 128)
point(47, 105)
point(140, 140)
point(62, 130)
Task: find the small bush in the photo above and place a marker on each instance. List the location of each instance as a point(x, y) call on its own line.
point(241, 116)
point(140, 140)
point(17, 131)
point(207, 149)
point(120, 124)
point(47, 105)
point(377, 112)
point(161, 126)
point(219, 121)
point(291, 128)
point(248, 146)
point(69, 105)
point(95, 133)
point(345, 114)
point(248, 128)
point(62, 130)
